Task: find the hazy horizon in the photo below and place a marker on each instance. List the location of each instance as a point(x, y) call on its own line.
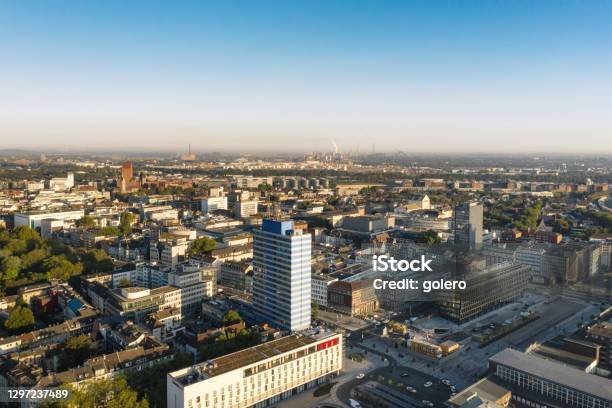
point(413, 77)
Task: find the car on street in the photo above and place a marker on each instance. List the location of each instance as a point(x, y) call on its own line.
point(354, 403)
point(427, 403)
point(360, 376)
point(404, 375)
point(446, 382)
point(411, 389)
point(428, 384)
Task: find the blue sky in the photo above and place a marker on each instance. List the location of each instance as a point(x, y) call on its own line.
point(452, 76)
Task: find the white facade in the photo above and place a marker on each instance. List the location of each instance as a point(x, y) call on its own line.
point(62, 183)
point(263, 380)
point(211, 204)
point(33, 220)
point(243, 209)
point(319, 289)
point(282, 275)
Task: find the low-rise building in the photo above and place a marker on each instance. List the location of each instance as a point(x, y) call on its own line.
point(319, 287)
point(534, 380)
point(258, 376)
point(352, 298)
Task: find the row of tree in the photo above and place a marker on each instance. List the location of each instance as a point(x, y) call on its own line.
point(26, 258)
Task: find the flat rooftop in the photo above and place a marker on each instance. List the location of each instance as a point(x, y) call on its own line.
point(556, 372)
point(245, 357)
point(487, 389)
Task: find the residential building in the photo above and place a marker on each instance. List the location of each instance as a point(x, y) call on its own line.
point(246, 208)
point(319, 287)
point(165, 324)
point(169, 251)
point(235, 275)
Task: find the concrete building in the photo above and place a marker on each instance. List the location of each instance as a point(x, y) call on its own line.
point(234, 275)
point(282, 275)
point(486, 290)
point(244, 209)
point(62, 183)
point(319, 286)
point(137, 302)
point(210, 204)
point(368, 224)
point(169, 251)
point(34, 219)
point(601, 333)
point(352, 298)
point(534, 380)
point(467, 225)
point(251, 181)
point(259, 376)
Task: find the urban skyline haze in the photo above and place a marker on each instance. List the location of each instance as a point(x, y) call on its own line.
point(271, 76)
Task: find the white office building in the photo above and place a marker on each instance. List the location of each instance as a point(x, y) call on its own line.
point(210, 204)
point(282, 275)
point(259, 376)
point(33, 219)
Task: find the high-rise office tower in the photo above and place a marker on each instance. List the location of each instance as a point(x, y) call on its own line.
point(468, 225)
point(282, 275)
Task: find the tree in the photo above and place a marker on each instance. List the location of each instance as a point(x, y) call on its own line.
point(428, 237)
point(314, 311)
point(20, 319)
point(25, 234)
point(76, 350)
point(562, 226)
point(125, 222)
point(10, 268)
point(124, 283)
point(58, 267)
point(109, 231)
point(264, 187)
point(33, 257)
point(96, 260)
point(203, 245)
point(107, 393)
point(151, 382)
point(86, 221)
point(231, 317)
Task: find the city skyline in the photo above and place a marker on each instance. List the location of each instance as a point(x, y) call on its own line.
point(421, 77)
